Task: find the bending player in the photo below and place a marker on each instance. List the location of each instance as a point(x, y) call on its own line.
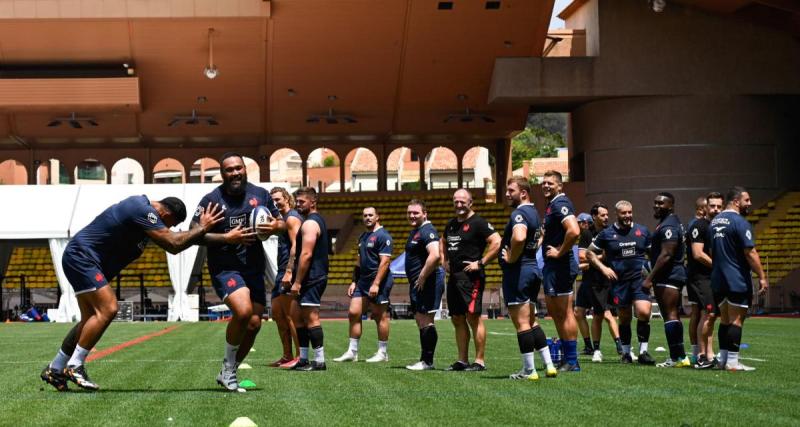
point(95, 255)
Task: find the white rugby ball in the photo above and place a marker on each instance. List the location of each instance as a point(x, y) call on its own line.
point(260, 215)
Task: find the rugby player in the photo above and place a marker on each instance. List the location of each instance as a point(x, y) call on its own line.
point(464, 256)
point(594, 290)
point(425, 280)
point(560, 266)
point(236, 260)
point(97, 253)
point(521, 278)
point(698, 245)
point(371, 286)
point(310, 279)
point(668, 274)
point(283, 305)
point(734, 256)
point(700, 213)
point(624, 246)
point(582, 299)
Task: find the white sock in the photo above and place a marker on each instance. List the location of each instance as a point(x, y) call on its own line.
point(642, 347)
point(78, 356)
point(383, 346)
point(304, 353)
point(319, 354)
point(733, 358)
point(544, 352)
point(60, 361)
point(230, 354)
point(353, 345)
point(695, 350)
point(527, 362)
point(626, 349)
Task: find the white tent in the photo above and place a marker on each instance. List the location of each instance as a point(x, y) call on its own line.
point(58, 212)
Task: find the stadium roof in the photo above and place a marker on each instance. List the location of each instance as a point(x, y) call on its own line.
point(396, 67)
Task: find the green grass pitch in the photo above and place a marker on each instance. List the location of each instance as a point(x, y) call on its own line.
point(169, 380)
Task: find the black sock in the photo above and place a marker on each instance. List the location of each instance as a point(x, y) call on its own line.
point(302, 336)
point(625, 334)
point(316, 336)
point(618, 344)
point(70, 341)
point(587, 342)
point(539, 339)
point(674, 332)
point(643, 331)
point(526, 341)
point(722, 335)
point(734, 338)
point(596, 345)
point(428, 338)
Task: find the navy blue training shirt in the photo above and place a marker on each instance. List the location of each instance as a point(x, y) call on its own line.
point(730, 235)
point(625, 249)
point(285, 241)
point(237, 209)
point(118, 236)
point(525, 215)
point(669, 229)
point(371, 246)
point(417, 249)
point(558, 210)
point(319, 257)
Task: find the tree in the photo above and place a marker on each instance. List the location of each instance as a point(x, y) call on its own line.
point(329, 161)
point(534, 142)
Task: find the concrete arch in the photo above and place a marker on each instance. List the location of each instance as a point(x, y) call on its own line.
point(361, 170)
point(13, 172)
point(323, 166)
point(90, 171)
point(127, 171)
point(168, 171)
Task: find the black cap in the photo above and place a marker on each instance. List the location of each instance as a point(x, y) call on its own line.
point(176, 207)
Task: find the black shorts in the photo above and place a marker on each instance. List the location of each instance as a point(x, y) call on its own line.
point(699, 290)
point(465, 293)
point(584, 297)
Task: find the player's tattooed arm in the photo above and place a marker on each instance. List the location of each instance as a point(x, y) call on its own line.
point(175, 242)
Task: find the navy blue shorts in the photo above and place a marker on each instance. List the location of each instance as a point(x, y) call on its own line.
point(311, 292)
point(83, 273)
point(558, 278)
point(725, 294)
point(227, 282)
point(278, 290)
point(625, 292)
point(429, 300)
point(384, 290)
point(521, 283)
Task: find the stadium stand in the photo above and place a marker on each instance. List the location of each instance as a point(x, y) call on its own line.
point(777, 228)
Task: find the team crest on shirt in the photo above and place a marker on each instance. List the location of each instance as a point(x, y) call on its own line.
point(491, 227)
point(695, 233)
point(668, 234)
point(432, 236)
point(152, 218)
point(198, 211)
point(564, 210)
point(638, 233)
point(466, 227)
point(416, 236)
point(231, 282)
point(518, 218)
point(749, 235)
point(253, 202)
point(547, 212)
point(99, 277)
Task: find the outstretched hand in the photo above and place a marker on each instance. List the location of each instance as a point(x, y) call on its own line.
point(240, 236)
point(211, 216)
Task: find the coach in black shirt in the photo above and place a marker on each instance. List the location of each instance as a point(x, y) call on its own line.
point(463, 245)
